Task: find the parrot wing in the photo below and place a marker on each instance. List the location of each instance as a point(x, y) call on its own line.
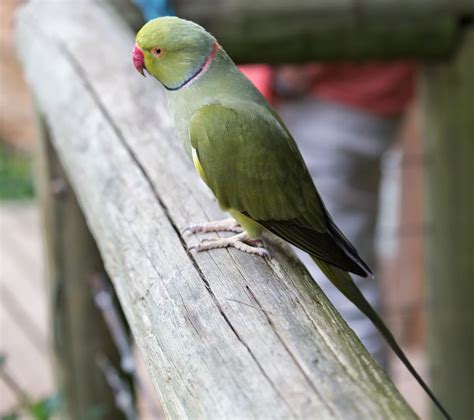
point(252, 165)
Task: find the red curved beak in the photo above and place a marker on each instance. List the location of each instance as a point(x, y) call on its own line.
point(138, 59)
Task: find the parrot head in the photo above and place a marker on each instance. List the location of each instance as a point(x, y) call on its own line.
point(173, 50)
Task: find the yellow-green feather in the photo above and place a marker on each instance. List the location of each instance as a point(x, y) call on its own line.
point(253, 229)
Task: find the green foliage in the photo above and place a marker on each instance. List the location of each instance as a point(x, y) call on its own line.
point(43, 409)
point(15, 174)
point(10, 416)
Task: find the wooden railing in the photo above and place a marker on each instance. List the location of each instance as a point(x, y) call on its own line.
point(223, 334)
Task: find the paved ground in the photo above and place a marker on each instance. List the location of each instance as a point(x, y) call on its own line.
point(23, 313)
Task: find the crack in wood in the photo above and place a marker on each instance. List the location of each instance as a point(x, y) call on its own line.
point(288, 350)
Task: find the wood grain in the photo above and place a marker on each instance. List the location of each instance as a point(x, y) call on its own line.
point(223, 334)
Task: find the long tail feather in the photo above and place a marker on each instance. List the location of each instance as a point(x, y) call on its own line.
point(343, 281)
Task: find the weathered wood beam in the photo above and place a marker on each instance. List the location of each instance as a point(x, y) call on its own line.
point(79, 332)
point(280, 31)
point(223, 334)
point(449, 141)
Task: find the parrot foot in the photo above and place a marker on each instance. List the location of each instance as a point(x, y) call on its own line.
point(240, 241)
point(227, 225)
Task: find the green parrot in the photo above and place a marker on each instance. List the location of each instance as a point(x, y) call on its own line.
point(243, 151)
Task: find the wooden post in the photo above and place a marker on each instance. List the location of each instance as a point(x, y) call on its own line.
point(449, 137)
point(79, 333)
point(280, 31)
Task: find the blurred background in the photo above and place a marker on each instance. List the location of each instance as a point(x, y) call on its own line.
point(25, 356)
point(384, 107)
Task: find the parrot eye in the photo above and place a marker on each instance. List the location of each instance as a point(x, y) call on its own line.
point(157, 51)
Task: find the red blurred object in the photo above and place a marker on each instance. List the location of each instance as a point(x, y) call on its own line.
point(385, 89)
point(381, 88)
point(261, 76)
